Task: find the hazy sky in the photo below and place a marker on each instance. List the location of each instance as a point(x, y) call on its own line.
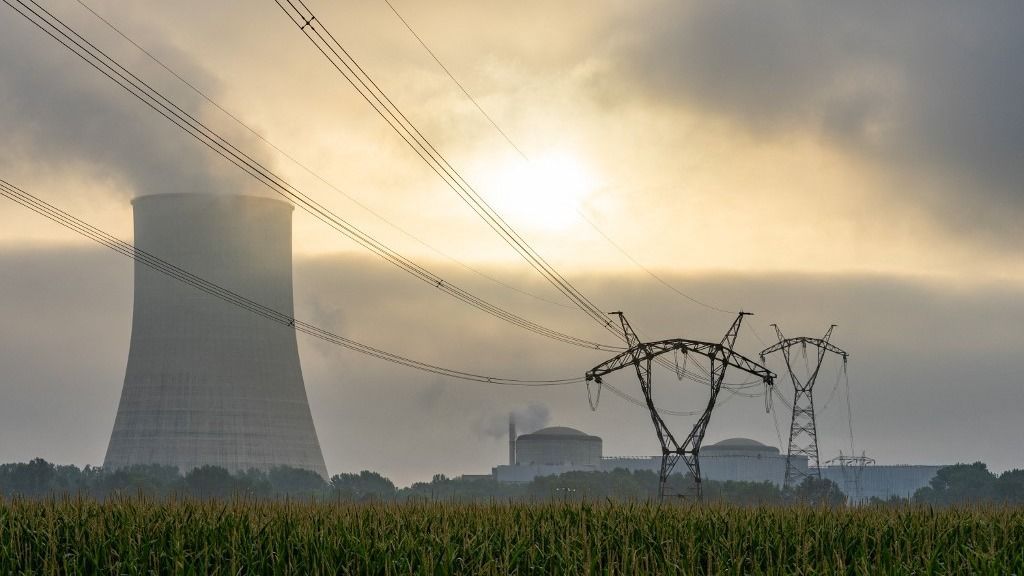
point(815, 163)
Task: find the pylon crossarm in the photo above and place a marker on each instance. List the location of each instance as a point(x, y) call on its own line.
point(650, 350)
point(804, 340)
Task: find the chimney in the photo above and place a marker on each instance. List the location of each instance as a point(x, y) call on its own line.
point(511, 439)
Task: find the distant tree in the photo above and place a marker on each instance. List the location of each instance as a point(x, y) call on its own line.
point(151, 480)
point(213, 482)
point(363, 486)
point(818, 492)
point(959, 484)
point(30, 479)
point(743, 493)
point(296, 482)
point(1009, 487)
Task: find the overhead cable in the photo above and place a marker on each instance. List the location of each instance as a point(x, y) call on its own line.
point(291, 158)
point(523, 155)
point(166, 268)
point(109, 67)
point(339, 58)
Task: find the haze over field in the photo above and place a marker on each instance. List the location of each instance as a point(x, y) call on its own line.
point(812, 163)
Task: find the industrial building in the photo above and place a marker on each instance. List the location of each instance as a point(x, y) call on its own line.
point(549, 451)
point(738, 459)
point(862, 483)
point(557, 450)
point(208, 383)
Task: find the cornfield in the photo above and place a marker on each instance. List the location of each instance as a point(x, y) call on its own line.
point(137, 536)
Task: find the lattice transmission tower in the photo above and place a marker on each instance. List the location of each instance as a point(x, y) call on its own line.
point(851, 470)
point(803, 433)
point(640, 355)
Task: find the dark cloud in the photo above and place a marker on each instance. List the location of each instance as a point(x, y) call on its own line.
point(933, 367)
point(926, 89)
point(58, 114)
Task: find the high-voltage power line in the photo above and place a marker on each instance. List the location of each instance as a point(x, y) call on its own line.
point(803, 433)
point(102, 62)
point(476, 104)
point(640, 355)
point(170, 270)
point(346, 65)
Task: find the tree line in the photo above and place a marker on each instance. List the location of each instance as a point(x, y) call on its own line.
point(39, 478)
point(959, 484)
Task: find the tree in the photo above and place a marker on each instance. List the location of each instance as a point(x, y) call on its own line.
point(212, 482)
point(366, 485)
point(299, 482)
point(151, 480)
point(818, 492)
point(1009, 488)
point(959, 484)
point(31, 479)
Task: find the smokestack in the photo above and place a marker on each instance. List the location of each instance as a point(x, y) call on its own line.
point(511, 439)
point(208, 383)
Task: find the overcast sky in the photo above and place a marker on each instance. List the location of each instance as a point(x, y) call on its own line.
point(815, 163)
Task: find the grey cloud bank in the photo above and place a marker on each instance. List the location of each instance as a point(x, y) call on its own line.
point(934, 368)
point(931, 89)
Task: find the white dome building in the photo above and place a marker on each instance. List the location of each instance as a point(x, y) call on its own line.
point(559, 445)
point(745, 460)
point(550, 451)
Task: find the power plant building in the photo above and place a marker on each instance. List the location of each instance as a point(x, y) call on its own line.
point(208, 383)
point(862, 483)
point(549, 451)
point(735, 459)
point(557, 450)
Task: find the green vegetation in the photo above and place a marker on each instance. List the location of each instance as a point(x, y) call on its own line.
point(40, 479)
point(972, 484)
point(137, 536)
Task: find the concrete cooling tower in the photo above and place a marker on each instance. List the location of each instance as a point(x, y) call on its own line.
point(208, 382)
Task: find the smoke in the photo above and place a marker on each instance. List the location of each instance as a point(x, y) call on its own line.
point(528, 419)
point(58, 115)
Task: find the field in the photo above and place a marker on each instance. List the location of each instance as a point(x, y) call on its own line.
point(134, 536)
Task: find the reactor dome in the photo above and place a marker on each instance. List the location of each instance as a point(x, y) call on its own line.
point(739, 447)
point(558, 445)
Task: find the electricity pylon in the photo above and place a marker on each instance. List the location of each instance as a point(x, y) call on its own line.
point(640, 355)
point(803, 434)
point(852, 469)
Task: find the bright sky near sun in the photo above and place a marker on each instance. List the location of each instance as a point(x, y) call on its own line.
point(646, 149)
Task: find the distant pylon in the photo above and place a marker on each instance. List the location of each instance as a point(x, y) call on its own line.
point(803, 433)
point(852, 470)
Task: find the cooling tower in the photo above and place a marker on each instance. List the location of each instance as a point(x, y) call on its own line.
point(208, 382)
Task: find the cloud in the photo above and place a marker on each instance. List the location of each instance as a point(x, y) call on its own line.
point(931, 365)
point(58, 114)
point(927, 91)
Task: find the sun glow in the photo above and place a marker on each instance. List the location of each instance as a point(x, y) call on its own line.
point(544, 193)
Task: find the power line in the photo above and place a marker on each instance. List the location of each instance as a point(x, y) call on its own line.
point(350, 69)
point(170, 270)
point(455, 80)
point(138, 88)
point(336, 54)
point(305, 167)
point(522, 154)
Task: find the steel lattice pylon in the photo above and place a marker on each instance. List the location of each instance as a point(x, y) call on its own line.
point(852, 469)
point(641, 354)
point(803, 433)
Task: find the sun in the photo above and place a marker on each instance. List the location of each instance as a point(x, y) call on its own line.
point(544, 193)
